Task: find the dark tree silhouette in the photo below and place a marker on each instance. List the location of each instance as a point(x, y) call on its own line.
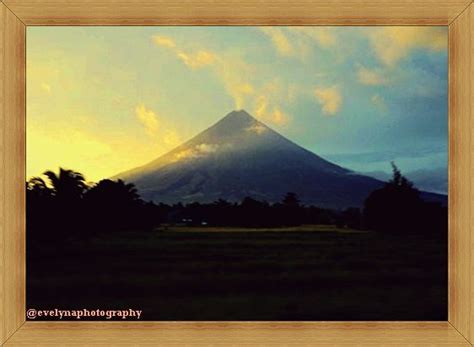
point(63, 207)
point(116, 192)
point(253, 213)
point(66, 207)
point(351, 218)
point(37, 187)
point(290, 212)
point(65, 217)
point(395, 207)
point(39, 204)
point(221, 203)
point(222, 213)
point(116, 205)
point(67, 185)
point(291, 200)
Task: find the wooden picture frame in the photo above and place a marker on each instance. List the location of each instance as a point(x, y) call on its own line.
point(15, 15)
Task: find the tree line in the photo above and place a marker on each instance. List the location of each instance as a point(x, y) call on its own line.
point(63, 206)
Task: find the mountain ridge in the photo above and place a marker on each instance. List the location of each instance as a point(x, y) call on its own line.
point(243, 120)
point(240, 156)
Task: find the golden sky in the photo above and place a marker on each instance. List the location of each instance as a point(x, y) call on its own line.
point(102, 100)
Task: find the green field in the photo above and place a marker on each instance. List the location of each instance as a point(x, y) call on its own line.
point(304, 273)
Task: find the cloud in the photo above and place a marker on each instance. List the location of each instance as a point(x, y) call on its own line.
point(379, 102)
point(329, 98)
point(164, 41)
point(171, 139)
point(296, 41)
point(280, 40)
point(194, 60)
point(386, 156)
point(197, 151)
point(233, 72)
point(257, 128)
point(373, 77)
point(205, 148)
point(148, 118)
point(261, 106)
point(197, 60)
point(268, 100)
point(236, 75)
point(279, 117)
point(267, 113)
point(391, 44)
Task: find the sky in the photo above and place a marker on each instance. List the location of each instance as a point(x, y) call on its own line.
point(102, 100)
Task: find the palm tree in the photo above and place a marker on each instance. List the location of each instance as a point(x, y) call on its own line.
point(114, 192)
point(67, 184)
point(129, 189)
point(38, 187)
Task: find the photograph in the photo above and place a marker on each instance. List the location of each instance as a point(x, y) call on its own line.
point(237, 173)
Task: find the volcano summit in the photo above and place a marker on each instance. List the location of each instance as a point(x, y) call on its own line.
point(240, 156)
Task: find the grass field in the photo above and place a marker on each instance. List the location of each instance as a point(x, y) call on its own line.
point(301, 228)
point(306, 273)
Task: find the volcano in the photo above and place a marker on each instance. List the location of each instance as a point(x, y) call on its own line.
point(240, 157)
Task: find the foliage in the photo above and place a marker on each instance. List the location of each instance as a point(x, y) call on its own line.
point(398, 208)
point(65, 207)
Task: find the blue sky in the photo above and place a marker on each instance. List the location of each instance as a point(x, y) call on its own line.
point(102, 100)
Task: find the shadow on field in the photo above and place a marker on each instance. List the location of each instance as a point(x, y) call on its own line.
point(239, 275)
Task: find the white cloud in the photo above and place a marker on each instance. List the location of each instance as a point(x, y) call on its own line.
point(148, 118)
point(330, 99)
point(205, 148)
point(393, 43)
point(197, 151)
point(257, 128)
